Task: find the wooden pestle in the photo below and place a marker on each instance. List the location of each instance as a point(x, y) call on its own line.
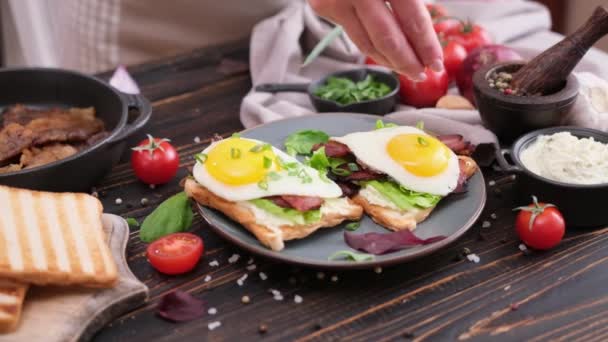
point(547, 72)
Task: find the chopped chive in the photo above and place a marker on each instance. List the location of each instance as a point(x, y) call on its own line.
point(263, 184)
point(422, 141)
point(235, 153)
point(353, 226)
point(267, 162)
point(353, 167)
point(420, 125)
point(259, 148)
point(201, 158)
point(273, 176)
point(379, 124)
point(341, 172)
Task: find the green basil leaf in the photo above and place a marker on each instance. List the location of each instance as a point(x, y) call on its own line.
point(302, 141)
point(351, 256)
point(172, 216)
point(319, 160)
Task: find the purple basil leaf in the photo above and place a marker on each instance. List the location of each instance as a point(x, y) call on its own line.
point(180, 306)
point(382, 243)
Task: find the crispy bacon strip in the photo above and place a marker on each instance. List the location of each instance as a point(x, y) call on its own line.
point(299, 203)
point(457, 144)
point(333, 149)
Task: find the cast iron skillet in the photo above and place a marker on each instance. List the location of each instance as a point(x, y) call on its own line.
point(45, 87)
point(379, 106)
point(581, 205)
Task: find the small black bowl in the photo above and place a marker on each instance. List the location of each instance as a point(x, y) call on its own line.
point(381, 106)
point(511, 116)
point(581, 205)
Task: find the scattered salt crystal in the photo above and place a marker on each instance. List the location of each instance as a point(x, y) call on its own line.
point(207, 278)
point(214, 325)
point(493, 216)
point(298, 299)
point(118, 201)
point(378, 269)
point(234, 258)
point(473, 258)
point(251, 267)
point(241, 280)
point(275, 292)
point(197, 140)
point(522, 247)
point(250, 261)
point(144, 201)
point(486, 224)
point(245, 299)
point(214, 263)
point(320, 275)
point(334, 278)
point(492, 183)
point(507, 288)
point(152, 186)
point(263, 276)
point(212, 311)
point(278, 297)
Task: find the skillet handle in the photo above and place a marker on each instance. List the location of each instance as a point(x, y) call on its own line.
point(282, 87)
point(144, 108)
point(503, 163)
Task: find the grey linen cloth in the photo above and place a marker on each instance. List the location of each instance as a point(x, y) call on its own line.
point(277, 53)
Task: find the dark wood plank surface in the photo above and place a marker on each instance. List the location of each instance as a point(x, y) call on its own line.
point(510, 295)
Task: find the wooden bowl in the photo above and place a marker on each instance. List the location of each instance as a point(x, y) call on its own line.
point(510, 116)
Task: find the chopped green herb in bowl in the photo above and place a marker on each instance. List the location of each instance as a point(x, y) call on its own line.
point(345, 91)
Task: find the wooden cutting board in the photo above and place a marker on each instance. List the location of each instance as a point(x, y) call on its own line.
point(76, 314)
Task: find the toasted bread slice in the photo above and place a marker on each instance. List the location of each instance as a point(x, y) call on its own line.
point(271, 237)
point(407, 219)
point(11, 302)
point(53, 238)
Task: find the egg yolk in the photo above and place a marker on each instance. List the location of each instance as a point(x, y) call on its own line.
point(419, 154)
point(233, 162)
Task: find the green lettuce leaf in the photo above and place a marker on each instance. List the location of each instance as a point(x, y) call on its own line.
point(301, 142)
point(403, 198)
point(292, 215)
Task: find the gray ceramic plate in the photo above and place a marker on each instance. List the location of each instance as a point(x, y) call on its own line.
point(452, 217)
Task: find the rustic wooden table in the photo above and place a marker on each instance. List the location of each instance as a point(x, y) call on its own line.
point(508, 295)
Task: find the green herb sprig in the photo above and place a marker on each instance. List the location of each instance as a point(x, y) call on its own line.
point(351, 256)
point(172, 216)
point(345, 91)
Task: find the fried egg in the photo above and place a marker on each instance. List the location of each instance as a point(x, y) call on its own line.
point(414, 159)
point(240, 169)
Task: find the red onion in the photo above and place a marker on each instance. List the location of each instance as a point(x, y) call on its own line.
point(485, 55)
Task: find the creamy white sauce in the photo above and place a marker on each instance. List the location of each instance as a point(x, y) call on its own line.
point(374, 196)
point(565, 158)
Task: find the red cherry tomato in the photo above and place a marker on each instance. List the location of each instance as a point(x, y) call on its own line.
point(175, 253)
point(425, 93)
point(445, 24)
point(155, 161)
point(369, 61)
point(436, 10)
point(453, 56)
point(540, 225)
point(469, 35)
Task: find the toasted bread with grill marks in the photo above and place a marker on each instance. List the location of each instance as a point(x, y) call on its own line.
point(11, 302)
point(269, 237)
point(53, 238)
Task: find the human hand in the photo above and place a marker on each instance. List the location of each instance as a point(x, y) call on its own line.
point(403, 40)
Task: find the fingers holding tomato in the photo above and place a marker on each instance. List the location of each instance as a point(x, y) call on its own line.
point(155, 161)
point(175, 253)
point(540, 225)
point(424, 93)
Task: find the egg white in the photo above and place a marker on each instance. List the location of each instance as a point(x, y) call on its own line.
point(370, 149)
point(285, 185)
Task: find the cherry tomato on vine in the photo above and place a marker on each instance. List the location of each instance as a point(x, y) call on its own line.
point(155, 161)
point(453, 56)
point(469, 35)
point(540, 225)
point(175, 253)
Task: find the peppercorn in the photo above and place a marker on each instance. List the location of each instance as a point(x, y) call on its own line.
point(262, 329)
